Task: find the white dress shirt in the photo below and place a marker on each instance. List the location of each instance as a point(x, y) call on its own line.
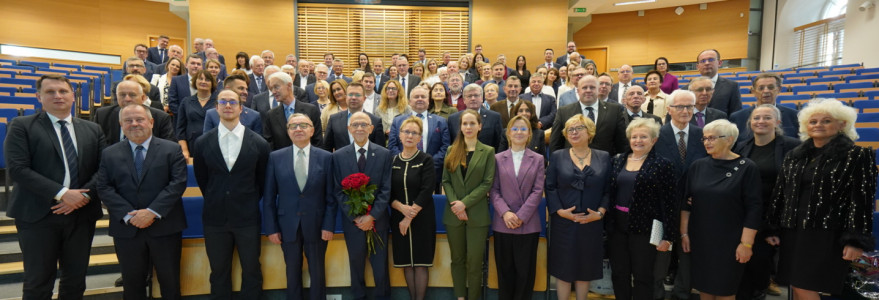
point(307, 150)
point(686, 131)
point(230, 143)
point(66, 182)
point(537, 100)
point(357, 150)
point(425, 132)
point(585, 112)
point(192, 90)
point(517, 160)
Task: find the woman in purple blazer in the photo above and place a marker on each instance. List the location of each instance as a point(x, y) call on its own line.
point(515, 196)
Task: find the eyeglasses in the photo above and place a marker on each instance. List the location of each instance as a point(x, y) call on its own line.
point(707, 60)
point(517, 129)
point(391, 88)
point(407, 132)
point(354, 95)
point(712, 138)
point(682, 107)
point(702, 90)
point(233, 103)
point(576, 129)
point(294, 126)
point(605, 83)
point(360, 125)
point(770, 87)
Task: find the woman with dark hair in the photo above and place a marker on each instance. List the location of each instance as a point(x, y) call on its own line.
point(242, 62)
point(526, 109)
point(192, 110)
point(553, 80)
point(363, 64)
point(468, 173)
point(439, 101)
point(478, 57)
point(338, 101)
point(669, 81)
point(522, 69)
point(654, 98)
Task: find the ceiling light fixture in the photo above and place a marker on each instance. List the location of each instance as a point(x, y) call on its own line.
point(634, 2)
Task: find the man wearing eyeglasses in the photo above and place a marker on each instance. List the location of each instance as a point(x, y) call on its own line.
point(681, 143)
point(337, 135)
point(435, 139)
point(766, 87)
point(610, 123)
point(275, 122)
point(624, 75)
point(702, 114)
point(136, 66)
point(727, 97)
point(249, 118)
point(230, 169)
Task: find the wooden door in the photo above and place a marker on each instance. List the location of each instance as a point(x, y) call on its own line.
point(154, 40)
point(597, 54)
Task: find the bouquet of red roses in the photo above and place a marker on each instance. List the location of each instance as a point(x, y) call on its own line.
point(360, 197)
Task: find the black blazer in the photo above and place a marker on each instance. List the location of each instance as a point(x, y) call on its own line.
point(644, 114)
point(36, 166)
point(108, 119)
point(789, 121)
point(652, 198)
point(190, 118)
point(610, 132)
point(160, 187)
point(727, 97)
point(275, 125)
point(783, 145)
point(231, 197)
point(614, 92)
point(153, 95)
point(252, 88)
point(308, 80)
point(337, 131)
point(492, 133)
point(548, 108)
point(378, 168)
point(667, 147)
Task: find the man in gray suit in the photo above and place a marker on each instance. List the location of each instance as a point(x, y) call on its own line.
point(727, 97)
point(703, 114)
point(625, 81)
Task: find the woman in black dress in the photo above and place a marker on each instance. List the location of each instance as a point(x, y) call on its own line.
point(822, 209)
point(723, 214)
point(766, 147)
point(412, 185)
point(577, 200)
point(192, 110)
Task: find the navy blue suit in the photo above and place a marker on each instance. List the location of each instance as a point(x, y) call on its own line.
point(333, 77)
point(253, 89)
point(438, 139)
point(789, 121)
point(378, 168)
point(249, 118)
point(667, 147)
point(492, 133)
point(154, 56)
point(190, 120)
point(178, 90)
point(337, 131)
point(547, 108)
point(300, 216)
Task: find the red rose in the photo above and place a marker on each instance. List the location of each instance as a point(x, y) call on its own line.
point(355, 181)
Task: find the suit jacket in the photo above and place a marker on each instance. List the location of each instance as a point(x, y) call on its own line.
point(308, 80)
point(337, 131)
point(503, 108)
point(555, 65)
point(471, 188)
point(610, 130)
point(438, 139)
point(568, 98)
point(614, 92)
point(154, 56)
point(108, 119)
point(154, 96)
point(160, 187)
point(178, 90)
point(378, 168)
point(667, 147)
point(35, 163)
point(253, 89)
point(548, 108)
point(262, 103)
point(190, 119)
point(727, 96)
point(275, 125)
point(249, 118)
point(411, 82)
point(653, 198)
point(286, 208)
point(204, 58)
point(492, 133)
point(309, 95)
point(711, 114)
point(231, 197)
point(783, 144)
point(789, 121)
point(629, 117)
point(520, 194)
point(563, 60)
point(333, 77)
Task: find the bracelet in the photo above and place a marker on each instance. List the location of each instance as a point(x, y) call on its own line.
point(600, 214)
point(684, 234)
point(747, 245)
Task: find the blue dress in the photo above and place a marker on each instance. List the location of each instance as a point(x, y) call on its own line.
point(576, 250)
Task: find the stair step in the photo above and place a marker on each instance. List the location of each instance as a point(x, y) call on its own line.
point(9, 232)
point(98, 287)
point(11, 252)
point(94, 261)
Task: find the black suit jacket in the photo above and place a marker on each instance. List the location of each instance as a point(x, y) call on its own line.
point(337, 131)
point(783, 145)
point(108, 119)
point(204, 58)
point(275, 125)
point(548, 108)
point(629, 117)
point(36, 166)
point(154, 57)
point(610, 132)
point(231, 197)
point(411, 82)
point(492, 133)
point(253, 89)
point(727, 97)
point(563, 60)
point(711, 114)
point(614, 92)
point(555, 65)
point(160, 187)
point(308, 80)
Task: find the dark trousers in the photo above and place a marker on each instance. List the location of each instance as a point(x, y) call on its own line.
point(632, 259)
point(355, 240)
point(682, 277)
point(55, 241)
point(135, 255)
point(220, 242)
point(757, 270)
point(315, 252)
point(516, 258)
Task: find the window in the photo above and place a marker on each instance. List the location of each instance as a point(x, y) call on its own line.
point(820, 44)
point(834, 8)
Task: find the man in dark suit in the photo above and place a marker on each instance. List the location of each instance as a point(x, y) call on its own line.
point(435, 137)
point(545, 104)
point(209, 44)
point(174, 51)
point(263, 102)
point(632, 102)
point(338, 67)
point(625, 81)
point(299, 221)
point(511, 87)
point(159, 54)
point(134, 66)
point(380, 78)
point(130, 92)
point(211, 53)
point(371, 159)
point(766, 88)
point(303, 78)
point(141, 52)
point(547, 60)
point(571, 49)
point(230, 169)
point(408, 81)
point(727, 97)
point(257, 80)
point(141, 181)
point(702, 114)
point(53, 188)
point(492, 132)
point(677, 137)
point(610, 127)
point(251, 119)
point(275, 122)
point(181, 86)
point(321, 72)
point(337, 135)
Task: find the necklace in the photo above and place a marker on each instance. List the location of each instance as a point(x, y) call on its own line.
point(632, 156)
point(581, 159)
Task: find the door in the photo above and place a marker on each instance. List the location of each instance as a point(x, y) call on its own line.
point(154, 40)
point(597, 54)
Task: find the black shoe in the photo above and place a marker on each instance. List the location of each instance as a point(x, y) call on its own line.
point(669, 280)
point(118, 282)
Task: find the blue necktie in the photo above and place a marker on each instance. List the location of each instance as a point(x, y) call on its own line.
point(138, 160)
point(420, 141)
point(70, 154)
point(361, 162)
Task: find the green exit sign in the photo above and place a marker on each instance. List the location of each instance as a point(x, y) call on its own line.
point(579, 9)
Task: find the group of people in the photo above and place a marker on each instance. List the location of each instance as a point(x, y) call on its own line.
point(653, 168)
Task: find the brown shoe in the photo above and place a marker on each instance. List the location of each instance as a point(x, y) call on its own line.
point(773, 289)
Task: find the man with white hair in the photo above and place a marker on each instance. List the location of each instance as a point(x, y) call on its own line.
point(257, 78)
point(618, 91)
point(268, 57)
point(275, 127)
point(265, 101)
point(291, 60)
point(209, 43)
point(198, 46)
point(321, 72)
point(303, 78)
point(174, 51)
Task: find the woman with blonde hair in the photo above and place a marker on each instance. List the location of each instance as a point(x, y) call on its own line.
point(430, 72)
point(173, 68)
point(392, 104)
point(338, 101)
point(322, 90)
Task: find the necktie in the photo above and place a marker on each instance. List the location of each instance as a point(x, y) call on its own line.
point(700, 120)
point(548, 65)
point(421, 141)
point(404, 83)
point(301, 170)
point(70, 153)
point(288, 112)
point(625, 88)
point(650, 107)
point(138, 160)
point(162, 55)
point(590, 113)
point(259, 85)
point(682, 146)
point(361, 161)
point(274, 102)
